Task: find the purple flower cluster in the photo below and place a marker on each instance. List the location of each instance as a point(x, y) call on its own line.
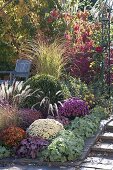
point(30, 147)
point(74, 107)
point(28, 116)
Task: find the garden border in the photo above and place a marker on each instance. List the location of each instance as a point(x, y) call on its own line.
point(87, 148)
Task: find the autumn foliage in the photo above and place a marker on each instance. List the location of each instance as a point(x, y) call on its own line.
point(12, 136)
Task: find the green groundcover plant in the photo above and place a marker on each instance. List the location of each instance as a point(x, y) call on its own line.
point(4, 152)
point(88, 125)
point(65, 147)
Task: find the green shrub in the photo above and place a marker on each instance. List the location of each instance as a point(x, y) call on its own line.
point(76, 86)
point(85, 127)
point(65, 147)
point(7, 56)
point(100, 112)
point(4, 152)
point(48, 85)
point(65, 90)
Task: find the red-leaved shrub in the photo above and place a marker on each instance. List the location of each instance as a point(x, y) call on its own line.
point(28, 116)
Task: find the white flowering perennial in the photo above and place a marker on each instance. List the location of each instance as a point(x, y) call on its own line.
point(45, 128)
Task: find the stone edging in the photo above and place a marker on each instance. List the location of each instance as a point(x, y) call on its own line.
point(87, 148)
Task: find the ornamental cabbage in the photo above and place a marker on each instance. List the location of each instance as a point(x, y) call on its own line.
point(74, 107)
point(44, 128)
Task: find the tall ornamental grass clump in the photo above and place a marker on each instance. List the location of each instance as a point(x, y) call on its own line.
point(8, 116)
point(47, 58)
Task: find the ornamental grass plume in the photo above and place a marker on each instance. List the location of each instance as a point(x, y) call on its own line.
point(14, 94)
point(73, 107)
point(47, 58)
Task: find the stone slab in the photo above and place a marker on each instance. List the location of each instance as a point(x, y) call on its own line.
point(83, 168)
point(110, 123)
point(109, 126)
point(107, 161)
point(93, 159)
point(97, 166)
point(107, 136)
point(103, 147)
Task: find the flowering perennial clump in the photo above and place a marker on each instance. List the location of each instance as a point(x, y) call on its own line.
point(12, 136)
point(74, 107)
point(44, 128)
point(30, 146)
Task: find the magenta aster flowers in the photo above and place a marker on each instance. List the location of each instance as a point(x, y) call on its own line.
point(74, 107)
